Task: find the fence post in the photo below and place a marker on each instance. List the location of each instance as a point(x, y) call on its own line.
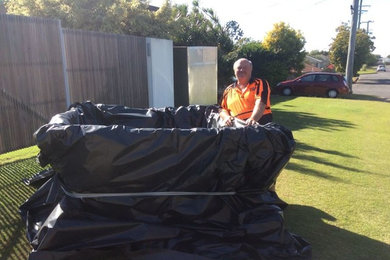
point(64, 65)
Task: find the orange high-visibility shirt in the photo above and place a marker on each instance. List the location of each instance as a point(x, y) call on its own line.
point(240, 104)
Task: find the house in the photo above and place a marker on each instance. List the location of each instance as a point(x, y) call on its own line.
point(310, 68)
point(312, 64)
point(318, 63)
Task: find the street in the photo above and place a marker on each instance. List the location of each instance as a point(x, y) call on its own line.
point(374, 85)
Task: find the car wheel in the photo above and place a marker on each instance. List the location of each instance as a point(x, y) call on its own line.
point(286, 91)
point(332, 93)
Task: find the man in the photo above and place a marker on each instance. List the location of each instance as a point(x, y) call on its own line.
point(247, 99)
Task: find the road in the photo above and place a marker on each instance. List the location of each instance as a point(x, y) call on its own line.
point(377, 85)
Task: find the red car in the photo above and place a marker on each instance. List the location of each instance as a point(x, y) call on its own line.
point(314, 84)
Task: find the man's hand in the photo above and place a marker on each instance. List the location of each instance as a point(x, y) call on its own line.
point(228, 121)
point(251, 121)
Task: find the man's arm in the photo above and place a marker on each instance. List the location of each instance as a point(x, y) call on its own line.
point(257, 113)
point(224, 112)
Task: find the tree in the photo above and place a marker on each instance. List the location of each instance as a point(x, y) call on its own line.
point(288, 44)
point(114, 16)
point(281, 52)
point(273, 59)
point(339, 49)
point(3, 7)
point(266, 64)
point(93, 15)
point(373, 59)
point(317, 53)
point(233, 30)
point(201, 27)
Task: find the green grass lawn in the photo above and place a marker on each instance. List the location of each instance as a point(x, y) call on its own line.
point(18, 155)
point(14, 167)
point(337, 183)
point(368, 70)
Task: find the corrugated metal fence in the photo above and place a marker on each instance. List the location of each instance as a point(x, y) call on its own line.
point(40, 63)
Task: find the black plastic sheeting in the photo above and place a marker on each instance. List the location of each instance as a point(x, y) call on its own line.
point(167, 183)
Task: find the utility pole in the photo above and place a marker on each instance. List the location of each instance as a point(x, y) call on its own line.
point(351, 47)
point(360, 12)
point(368, 26)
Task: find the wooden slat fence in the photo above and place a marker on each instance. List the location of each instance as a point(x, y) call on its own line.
point(31, 78)
point(106, 68)
point(103, 68)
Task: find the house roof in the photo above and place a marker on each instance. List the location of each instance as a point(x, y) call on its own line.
point(312, 59)
point(310, 68)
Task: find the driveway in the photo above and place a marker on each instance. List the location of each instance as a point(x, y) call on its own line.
point(377, 85)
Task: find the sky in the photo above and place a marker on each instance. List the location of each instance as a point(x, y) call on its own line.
point(316, 19)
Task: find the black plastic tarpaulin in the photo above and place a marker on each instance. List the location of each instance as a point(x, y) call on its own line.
point(165, 183)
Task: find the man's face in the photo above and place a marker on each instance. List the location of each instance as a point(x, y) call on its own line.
point(243, 70)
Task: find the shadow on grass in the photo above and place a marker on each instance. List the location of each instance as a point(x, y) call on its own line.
point(13, 230)
point(17, 229)
point(13, 193)
point(320, 160)
point(302, 120)
point(308, 171)
point(303, 147)
point(296, 121)
point(331, 242)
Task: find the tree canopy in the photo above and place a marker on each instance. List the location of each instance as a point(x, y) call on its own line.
point(266, 64)
point(288, 44)
point(114, 16)
point(281, 52)
point(339, 49)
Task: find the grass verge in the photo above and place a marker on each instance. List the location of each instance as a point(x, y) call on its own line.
point(18, 155)
point(337, 182)
point(368, 70)
point(13, 242)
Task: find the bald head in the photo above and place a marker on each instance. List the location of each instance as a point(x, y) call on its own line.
point(242, 61)
point(243, 70)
